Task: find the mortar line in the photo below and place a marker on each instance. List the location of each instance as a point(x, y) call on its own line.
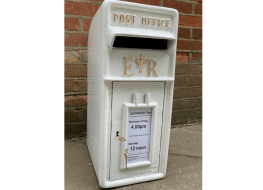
point(189, 51)
point(76, 63)
point(85, 1)
point(81, 26)
point(78, 16)
point(76, 32)
point(190, 27)
point(190, 98)
point(184, 155)
point(76, 47)
point(76, 122)
point(75, 78)
point(190, 39)
point(187, 86)
point(188, 109)
point(187, 1)
point(76, 108)
point(187, 14)
point(73, 93)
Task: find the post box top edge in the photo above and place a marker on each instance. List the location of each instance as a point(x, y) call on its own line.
point(108, 3)
point(106, 9)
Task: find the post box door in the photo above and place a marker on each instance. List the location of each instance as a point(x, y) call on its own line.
point(137, 116)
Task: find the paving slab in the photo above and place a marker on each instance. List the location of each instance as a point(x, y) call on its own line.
point(186, 141)
point(184, 167)
point(79, 172)
point(183, 173)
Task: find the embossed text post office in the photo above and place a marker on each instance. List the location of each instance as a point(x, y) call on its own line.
point(131, 69)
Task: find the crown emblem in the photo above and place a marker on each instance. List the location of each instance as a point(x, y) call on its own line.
point(140, 61)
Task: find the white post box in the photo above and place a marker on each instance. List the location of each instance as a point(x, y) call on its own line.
point(131, 69)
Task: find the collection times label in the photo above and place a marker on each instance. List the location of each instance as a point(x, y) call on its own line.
point(139, 134)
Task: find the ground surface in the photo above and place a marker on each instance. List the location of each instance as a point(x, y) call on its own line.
point(184, 167)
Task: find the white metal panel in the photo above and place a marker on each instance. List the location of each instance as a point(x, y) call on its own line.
point(94, 90)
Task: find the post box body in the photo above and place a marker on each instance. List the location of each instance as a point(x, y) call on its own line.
point(131, 68)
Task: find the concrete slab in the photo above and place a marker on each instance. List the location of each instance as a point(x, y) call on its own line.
point(184, 170)
point(183, 173)
point(79, 175)
point(186, 141)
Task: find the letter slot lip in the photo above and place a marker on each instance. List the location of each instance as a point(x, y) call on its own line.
point(141, 33)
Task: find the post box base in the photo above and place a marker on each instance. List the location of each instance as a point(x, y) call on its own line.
point(134, 180)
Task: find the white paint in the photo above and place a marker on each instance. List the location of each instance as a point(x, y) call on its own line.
point(108, 103)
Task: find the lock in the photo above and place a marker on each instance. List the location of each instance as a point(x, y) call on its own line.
point(131, 69)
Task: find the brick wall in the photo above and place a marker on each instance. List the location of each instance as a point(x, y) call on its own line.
point(187, 104)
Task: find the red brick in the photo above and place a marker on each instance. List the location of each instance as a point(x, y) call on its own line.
point(189, 45)
point(75, 129)
point(84, 85)
point(195, 81)
point(190, 21)
point(194, 103)
point(75, 8)
point(71, 115)
point(84, 55)
point(178, 104)
point(76, 39)
point(84, 114)
point(72, 56)
point(182, 57)
point(72, 86)
point(197, 57)
point(200, 91)
point(75, 101)
point(186, 69)
point(147, 2)
point(198, 9)
point(197, 33)
point(179, 5)
point(199, 114)
point(199, 1)
point(75, 70)
point(86, 24)
point(71, 24)
point(186, 92)
point(183, 32)
point(180, 117)
point(180, 81)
